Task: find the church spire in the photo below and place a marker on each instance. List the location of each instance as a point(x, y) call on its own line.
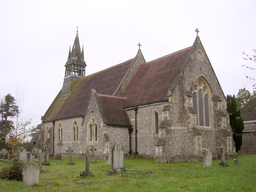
point(75, 65)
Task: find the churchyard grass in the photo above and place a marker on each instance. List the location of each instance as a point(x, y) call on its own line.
point(167, 177)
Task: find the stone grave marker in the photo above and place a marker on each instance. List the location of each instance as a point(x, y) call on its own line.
point(235, 162)
point(4, 154)
point(87, 166)
point(23, 155)
point(58, 157)
point(208, 158)
point(46, 157)
point(40, 160)
point(223, 163)
point(93, 155)
point(70, 156)
point(117, 159)
point(109, 161)
point(30, 174)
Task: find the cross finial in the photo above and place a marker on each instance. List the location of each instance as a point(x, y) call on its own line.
point(197, 31)
point(139, 45)
point(77, 29)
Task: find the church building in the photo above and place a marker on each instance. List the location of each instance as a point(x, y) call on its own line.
point(171, 109)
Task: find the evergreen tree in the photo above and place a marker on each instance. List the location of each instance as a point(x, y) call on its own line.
point(236, 121)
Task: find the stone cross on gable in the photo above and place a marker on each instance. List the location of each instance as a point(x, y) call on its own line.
point(70, 156)
point(197, 31)
point(139, 45)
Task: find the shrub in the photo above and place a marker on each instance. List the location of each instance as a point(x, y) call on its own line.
point(16, 171)
point(4, 174)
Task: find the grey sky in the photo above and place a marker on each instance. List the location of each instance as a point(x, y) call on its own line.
point(35, 37)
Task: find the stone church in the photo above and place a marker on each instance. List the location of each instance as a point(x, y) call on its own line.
point(171, 109)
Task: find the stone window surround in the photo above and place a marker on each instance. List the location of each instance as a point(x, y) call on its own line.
point(75, 131)
point(154, 132)
point(205, 91)
point(92, 132)
point(60, 133)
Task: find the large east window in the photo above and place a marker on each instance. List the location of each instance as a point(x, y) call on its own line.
point(201, 102)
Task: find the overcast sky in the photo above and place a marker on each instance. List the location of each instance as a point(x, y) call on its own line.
point(35, 37)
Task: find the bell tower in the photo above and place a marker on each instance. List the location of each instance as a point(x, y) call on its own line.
point(74, 67)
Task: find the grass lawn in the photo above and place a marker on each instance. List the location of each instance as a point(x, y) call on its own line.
point(168, 177)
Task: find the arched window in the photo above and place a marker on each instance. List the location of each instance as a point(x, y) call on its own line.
point(201, 104)
point(92, 132)
point(60, 133)
point(75, 131)
point(156, 123)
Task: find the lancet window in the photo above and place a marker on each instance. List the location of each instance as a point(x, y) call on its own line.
point(201, 102)
point(60, 133)
point(75, 131)
point(92, 132)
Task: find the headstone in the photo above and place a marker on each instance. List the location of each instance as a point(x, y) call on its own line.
point(58, 157)
point(208, 158)
point(235, 161)
point(46, 156)
point(40, 160)
point(93, 155)
point(70, 156)
point(223, 163)
point(109, 161)
point(117, 159)
point(23, 155)
point(30, 174)
point(4, 154)
point(87, 166)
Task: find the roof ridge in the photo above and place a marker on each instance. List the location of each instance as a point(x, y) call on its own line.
point(176, 52)
point(106, 69)
point(112, 96)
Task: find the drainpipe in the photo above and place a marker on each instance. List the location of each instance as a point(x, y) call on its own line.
point(53, 136)
point(136, 112)
point(130, 140)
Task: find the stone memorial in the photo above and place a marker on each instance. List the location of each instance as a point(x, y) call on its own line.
point(30, 174)
point(93, 155)
point(23, 155)
point(223, 163)
point(208, 158)
point(87, 166)
point(109, 161)
point(4, 154)
point(46, 157)
point(70, 156)
point(235, 162)
point(40, 160)
point(117, 159)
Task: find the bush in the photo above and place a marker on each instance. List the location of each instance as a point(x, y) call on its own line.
point(4, 174)
point(16, 171)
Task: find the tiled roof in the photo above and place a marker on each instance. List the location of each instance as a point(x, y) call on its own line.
point(151, 82)
point(113, 109)
point(248, 112)
point(75, 104)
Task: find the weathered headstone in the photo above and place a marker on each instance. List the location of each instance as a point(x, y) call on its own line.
point(109, 161)
point(30, 174)
point(87, 166)
point(117, 159)
point(58, 157)
point(208, 158)
point(223, 163)
point(46, 156)
point(23, 155)
point(235, 161)
point(4, 154)
point(40, 160)
point(93, 155)
point(70, 156)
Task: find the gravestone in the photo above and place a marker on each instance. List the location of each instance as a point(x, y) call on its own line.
point(208, 158)
point(23, 155)
point(58, 157)
point(223, 163)
point(70, 156)
point(4, 154)
point(40, 160)
point(93, 155)
point(235, 162)
point(117, 159)
point(87, 166)
point(30, 174)
point(109, 161)
point(46, 156)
